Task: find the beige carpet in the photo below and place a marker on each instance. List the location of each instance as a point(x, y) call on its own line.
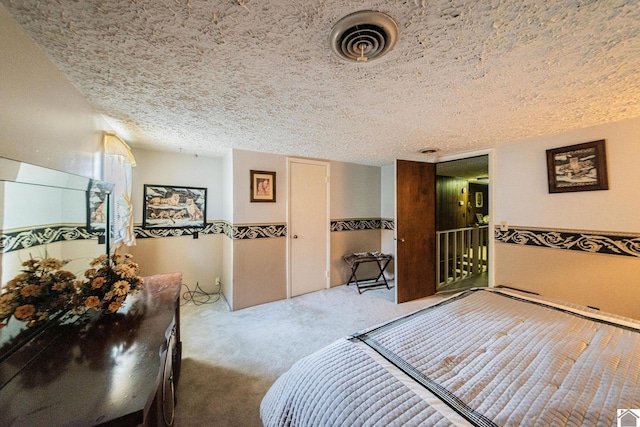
point(230, 359)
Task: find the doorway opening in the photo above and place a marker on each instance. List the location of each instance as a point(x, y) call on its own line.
point(462, 224)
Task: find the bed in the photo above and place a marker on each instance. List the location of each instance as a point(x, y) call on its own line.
point(483, 357)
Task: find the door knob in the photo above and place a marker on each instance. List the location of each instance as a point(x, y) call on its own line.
point(400, 240)
point(295, 236)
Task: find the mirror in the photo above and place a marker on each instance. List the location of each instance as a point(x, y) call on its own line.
point(46, 213)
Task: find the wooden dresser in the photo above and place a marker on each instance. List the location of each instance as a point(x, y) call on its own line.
point(111, 370)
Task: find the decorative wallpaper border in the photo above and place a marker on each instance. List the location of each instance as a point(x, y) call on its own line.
point(362, 224)
point(260, 231)
point(227, 229)
point(584, 241)
point(235, 232)
point(28, 238)
point(355, 224)
point(214, 227)
point(241, 232)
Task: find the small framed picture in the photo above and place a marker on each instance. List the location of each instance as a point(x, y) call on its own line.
point(97, 205)
point(580, 167)
point(168, 206)
point(479, 199)
point(263, 186)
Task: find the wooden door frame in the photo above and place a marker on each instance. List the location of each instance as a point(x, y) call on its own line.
point(492, 201)
point(327, 165)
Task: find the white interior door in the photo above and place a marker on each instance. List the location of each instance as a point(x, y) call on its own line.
point(308, 226)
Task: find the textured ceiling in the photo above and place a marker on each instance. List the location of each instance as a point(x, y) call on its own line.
point(202, 76)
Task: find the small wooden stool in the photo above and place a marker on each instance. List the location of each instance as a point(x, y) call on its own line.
point(354, 260)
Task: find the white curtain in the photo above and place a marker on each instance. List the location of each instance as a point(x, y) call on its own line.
point(118, 163)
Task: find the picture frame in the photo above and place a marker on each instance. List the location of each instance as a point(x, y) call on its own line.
point(579, 167)
point(168, 206)
point(263, 186)
point(97, 205)
point(479, 199)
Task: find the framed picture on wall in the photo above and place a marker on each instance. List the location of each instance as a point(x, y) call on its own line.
point(168, 206)
point(263, 186)
point(580, 167)
point(97, 206)
point(479, 199)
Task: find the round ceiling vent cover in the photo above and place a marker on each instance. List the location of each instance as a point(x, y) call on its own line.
point(363, 36)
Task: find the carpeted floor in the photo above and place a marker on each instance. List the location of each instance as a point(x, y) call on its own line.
point(230, 359)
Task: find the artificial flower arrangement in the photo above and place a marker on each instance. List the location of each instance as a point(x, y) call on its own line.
point(43, 288)
point(40, 290)
point(107, 284)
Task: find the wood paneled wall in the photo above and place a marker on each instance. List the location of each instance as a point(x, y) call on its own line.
point(449, 194)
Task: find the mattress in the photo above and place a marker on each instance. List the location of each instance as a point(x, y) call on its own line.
point(484, 357)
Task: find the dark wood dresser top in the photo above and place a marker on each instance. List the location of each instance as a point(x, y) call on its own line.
point(104, 370)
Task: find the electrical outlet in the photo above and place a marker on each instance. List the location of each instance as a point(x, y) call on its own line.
point(504, 226)
point(217, 281)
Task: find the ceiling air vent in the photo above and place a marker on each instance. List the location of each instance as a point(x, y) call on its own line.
point(363, 36)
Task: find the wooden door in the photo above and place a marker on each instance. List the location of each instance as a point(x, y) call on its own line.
point(308, 226)
point(415, 262)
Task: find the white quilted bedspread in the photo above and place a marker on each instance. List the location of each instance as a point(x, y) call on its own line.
point(481, 358)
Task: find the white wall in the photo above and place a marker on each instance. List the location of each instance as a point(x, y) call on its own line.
point(388, 187)
point(522, 196)
point(388, 211)
point(200, 260)
point(608, 282)
point(227, 187)
point(265, 279)
point(175, 169)
point(227, 215)
point(355, 191)
point(44, 120)
point(355, 194)
point(246, 212)
point(29, 205)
